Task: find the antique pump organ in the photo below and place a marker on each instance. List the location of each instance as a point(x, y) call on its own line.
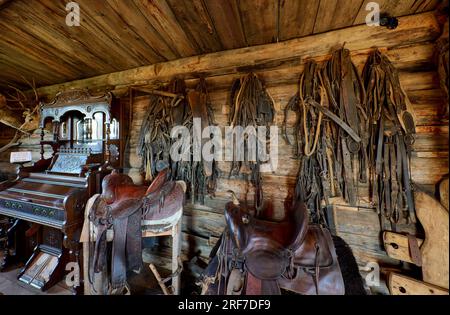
point(50, 196)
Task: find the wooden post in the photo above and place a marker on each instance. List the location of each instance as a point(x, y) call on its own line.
point(176, 254)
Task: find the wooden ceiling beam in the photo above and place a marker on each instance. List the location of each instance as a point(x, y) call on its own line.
point(424, 26)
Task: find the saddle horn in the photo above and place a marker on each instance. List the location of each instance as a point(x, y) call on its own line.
point(235, 199)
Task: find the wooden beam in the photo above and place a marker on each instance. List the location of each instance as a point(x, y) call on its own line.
point(402, 285)
point(424, 26)
point(397, 246)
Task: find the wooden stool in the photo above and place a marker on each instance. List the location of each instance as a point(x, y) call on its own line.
point(175, 232)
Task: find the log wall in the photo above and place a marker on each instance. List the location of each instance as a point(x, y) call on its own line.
point(359, 227)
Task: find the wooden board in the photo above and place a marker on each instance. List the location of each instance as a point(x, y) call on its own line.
point(397, 247)
point(401, 285)
point(396, 8)
point(227, 22)
point(334, 14)
point(195, 20)
point(296, 18)
point(435, 249)
point(443, 193)
point(259, 19)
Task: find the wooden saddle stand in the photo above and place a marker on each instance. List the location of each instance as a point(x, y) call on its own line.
point(431, 254)
point(122, 215)
point(258, 257)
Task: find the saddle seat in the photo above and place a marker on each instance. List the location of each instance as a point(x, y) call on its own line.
point(297, 255)
point(121, 194)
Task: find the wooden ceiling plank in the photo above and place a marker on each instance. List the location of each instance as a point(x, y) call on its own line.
point(21, 43)
point(227, 22)
point(101, 53)
point(114, 26)
point(397, 8)
point(424, 26)
point(194, 18)
point(15, 36)
point(42, 33)
point(139, 24)
point(95, 37)
point(425, 5)
point(335, 14)
point(21, 64)
point(30, 70)
point(115, 40)
point(259, 19)
point(161, 17)
point(297, 18)
point(4, 3)
point(11, 77)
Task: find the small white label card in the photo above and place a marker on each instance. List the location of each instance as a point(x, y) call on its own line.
point(20, 157)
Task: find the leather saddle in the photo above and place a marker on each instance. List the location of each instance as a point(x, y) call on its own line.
point(262, 257)
point(124, 207)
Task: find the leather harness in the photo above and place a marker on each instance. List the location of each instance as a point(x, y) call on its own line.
point(251, 105)
point(327, 134)
point(154, 141)
point(391, 137)
point(345, 136)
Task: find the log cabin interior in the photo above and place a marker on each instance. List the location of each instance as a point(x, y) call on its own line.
point(347, 188)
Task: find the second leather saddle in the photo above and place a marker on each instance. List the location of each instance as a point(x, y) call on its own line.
point(261, 257)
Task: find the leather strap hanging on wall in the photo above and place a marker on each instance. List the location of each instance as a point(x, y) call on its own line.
point(204, 173)
point(317, 134)
point(312, 141)
point(251, 105)
point(391, 131)
point(342, 133)
point(167, 109)
point(347, 100)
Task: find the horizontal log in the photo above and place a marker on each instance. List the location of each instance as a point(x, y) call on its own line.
point(424, 26)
